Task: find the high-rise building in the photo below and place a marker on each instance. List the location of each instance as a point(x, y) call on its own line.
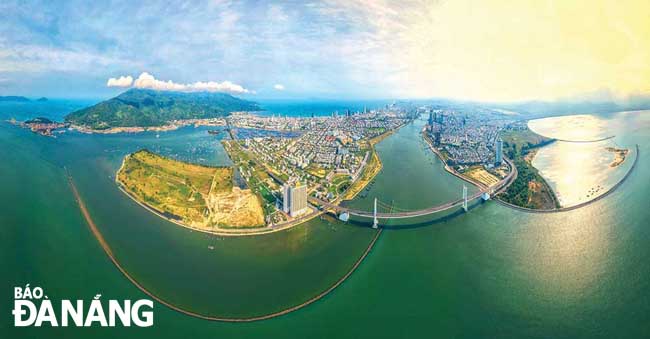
point(298, 197)
point(498, 158)
point(294, 199)
point(431, 118)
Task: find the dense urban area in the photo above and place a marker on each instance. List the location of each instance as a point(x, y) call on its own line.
point(286, 160)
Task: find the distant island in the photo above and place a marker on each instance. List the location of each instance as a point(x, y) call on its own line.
point(41, 125)
point(140, 108)
point(42, 99)
point(13, 98)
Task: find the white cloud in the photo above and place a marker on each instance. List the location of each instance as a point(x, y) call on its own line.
point(279, 87)
point(213, 86)
point(123, 81)
point(146, 80)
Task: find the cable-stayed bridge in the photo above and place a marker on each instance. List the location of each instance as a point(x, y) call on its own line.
point(394, 212)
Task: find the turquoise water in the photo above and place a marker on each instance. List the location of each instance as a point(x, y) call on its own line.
point(493, 272)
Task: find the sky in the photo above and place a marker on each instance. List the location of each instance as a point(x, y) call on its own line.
point(490, 50)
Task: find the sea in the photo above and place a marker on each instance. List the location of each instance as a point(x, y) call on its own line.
point(491, 272)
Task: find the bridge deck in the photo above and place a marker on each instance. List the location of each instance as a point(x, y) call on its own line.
point(429, 210)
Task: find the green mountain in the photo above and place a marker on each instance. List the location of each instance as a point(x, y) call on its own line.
point(146, 108)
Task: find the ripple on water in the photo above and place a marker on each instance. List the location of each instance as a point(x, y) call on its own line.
point(578, 172)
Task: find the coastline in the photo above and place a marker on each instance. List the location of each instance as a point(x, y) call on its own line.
point(174, 125)
point(234, 232)
point(530, 210)
point(107, 249)
point(582, 204)
point(539, 193)
point(219, 231)
point(226, 232)
point(545, 183)
point(471, 180)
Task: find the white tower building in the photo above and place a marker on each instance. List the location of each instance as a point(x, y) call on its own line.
point(498, 152)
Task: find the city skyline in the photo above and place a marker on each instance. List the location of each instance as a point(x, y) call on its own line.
point(329, 49)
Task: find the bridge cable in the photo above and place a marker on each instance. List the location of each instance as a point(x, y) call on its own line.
point(392, 207)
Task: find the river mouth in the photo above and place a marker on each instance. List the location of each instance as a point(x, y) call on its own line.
point(242, 278)
point(236, 279)
point(491, 271)
point(206, 274)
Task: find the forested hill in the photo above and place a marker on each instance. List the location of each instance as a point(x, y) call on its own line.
point(146, 108)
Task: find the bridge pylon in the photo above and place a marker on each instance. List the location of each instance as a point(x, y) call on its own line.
point(464, 198)
point(375, 222)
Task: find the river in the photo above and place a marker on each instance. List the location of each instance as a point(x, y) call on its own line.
point(492, 272)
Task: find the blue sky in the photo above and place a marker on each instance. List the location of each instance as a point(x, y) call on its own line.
point(492, 50)
point(71, 48)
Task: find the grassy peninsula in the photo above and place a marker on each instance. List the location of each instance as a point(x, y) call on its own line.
point(529, 190)
point(198, 196)
point(149, 108)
